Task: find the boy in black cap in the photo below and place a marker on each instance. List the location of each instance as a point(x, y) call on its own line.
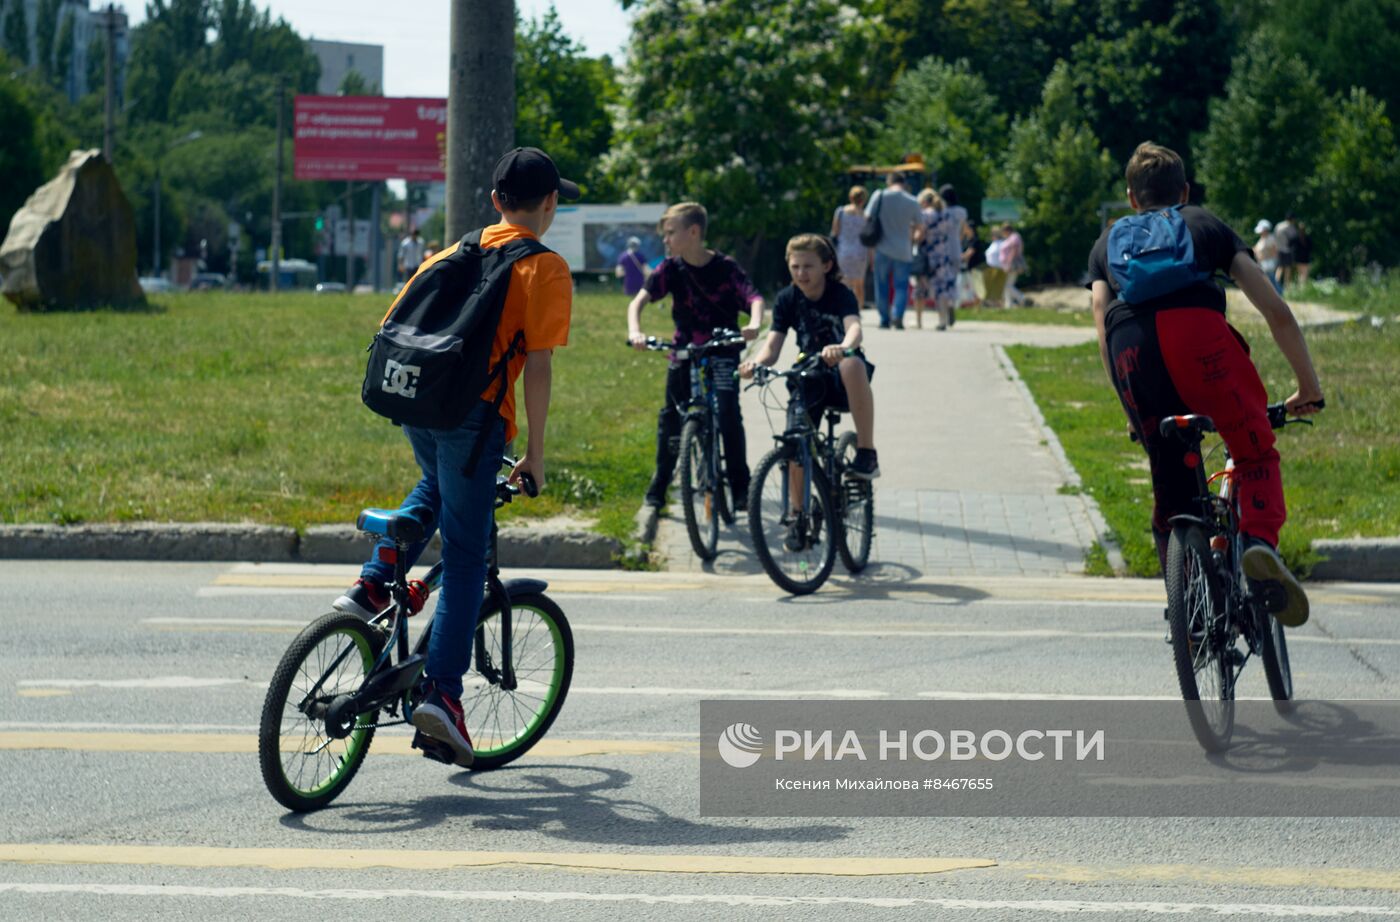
point(527, 189)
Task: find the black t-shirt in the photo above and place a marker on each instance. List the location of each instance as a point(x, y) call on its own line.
point(1215, 244)
point(818, 323)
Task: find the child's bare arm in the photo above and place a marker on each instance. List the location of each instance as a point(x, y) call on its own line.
point(1284, 327)
point(634, 320)
point(767, 354)
point(1100, 296)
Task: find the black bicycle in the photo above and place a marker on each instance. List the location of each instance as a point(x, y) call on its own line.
point(704, 475)
point(805, 506)
point(1211, 606)
point(344, 677)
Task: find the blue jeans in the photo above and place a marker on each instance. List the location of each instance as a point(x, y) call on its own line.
point(464, 507)
point(891, 274)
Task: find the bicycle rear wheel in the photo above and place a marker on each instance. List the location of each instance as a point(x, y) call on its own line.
point(856, 500)
point(1273, 649)
point(505, 723)
point(698, 489)
point(1196, 613)
point(308, 746)
point(797, 549)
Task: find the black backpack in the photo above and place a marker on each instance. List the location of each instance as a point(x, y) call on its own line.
point(429, 363)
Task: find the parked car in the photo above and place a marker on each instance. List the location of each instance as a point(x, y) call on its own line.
point(326, 288)
point(155, 285)
point(209, 281)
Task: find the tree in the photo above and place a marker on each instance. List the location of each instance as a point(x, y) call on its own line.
point(354, 84)
point(1348, 43)
point(63, 50)
point(946, 113)
point(16, 33)
point(19, 151)
point(1355, 184)
point(1058, 167)
point(561, 101)
point(746, 106)
point(1265, 134)
point(1150, 69)
point(96, 78)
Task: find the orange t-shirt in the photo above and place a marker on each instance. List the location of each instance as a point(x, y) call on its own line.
point(539, 301)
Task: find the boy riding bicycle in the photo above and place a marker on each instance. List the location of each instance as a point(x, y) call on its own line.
point(1173, 353)
point(827, 320)
point(526, 191)
point(708, 291)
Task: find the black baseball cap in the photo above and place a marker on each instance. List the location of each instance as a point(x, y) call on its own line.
point(528, 173)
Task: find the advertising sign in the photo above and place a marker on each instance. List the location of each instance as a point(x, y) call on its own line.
point(342, 237)
point(1002, 209)
point(369, 137)
point(591, 238)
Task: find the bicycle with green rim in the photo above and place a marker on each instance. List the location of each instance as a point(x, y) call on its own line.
point(344, 677)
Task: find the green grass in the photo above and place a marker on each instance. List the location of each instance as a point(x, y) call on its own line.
point(1341, 477)
point(245, 407)
point(1379, 297)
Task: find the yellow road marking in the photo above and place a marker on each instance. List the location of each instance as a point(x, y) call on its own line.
point(351, 859)
point(44, 692)
point(241, 743)
point(1303, 877)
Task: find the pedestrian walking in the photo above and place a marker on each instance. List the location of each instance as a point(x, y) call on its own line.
point(1286, 239)
point(1302, 252)
point(410, 255)
point(852, 257)
point(895, 213)
point(1013, 260)
point(1266, 251)
point(632, 267)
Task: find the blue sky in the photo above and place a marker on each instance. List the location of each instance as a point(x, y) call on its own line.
point(415, 47)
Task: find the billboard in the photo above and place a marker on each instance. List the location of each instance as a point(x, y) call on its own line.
point(369, 137)
point(592, 237)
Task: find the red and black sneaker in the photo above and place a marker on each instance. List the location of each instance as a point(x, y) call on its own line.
point(366, 598)
point(441, 718)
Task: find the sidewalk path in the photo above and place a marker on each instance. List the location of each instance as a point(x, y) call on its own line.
point(968, 486)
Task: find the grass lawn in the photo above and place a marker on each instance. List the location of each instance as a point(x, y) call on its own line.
point(245, 407)
point(1341, 477)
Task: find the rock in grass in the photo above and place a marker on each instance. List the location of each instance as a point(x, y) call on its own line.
point(73, 244)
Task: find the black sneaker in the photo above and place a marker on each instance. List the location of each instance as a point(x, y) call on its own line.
point(441, 718)
point(796, 539)
point(1262, 564)
point(366, 598)
point(866, 465)
point(899, 324)
point(952, 316)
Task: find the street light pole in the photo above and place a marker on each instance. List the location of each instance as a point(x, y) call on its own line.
point(276, 255)
point(155, 198)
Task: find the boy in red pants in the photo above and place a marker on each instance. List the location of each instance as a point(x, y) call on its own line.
point(1172, 353)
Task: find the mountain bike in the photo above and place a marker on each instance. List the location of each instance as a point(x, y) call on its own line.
point(804, 505)
point(1211, 606)
point(704, 476)
point(344, 677)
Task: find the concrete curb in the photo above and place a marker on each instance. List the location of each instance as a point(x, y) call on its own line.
point(1358, 559)
point(1091, 508)
point(197, 541)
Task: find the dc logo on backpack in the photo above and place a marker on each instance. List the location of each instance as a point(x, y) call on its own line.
point(400, 379)
point(1152, 254)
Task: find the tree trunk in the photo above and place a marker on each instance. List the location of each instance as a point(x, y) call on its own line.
point(480, 108)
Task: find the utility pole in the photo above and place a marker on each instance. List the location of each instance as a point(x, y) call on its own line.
point(480, 108)
point(350, 227)
point(275, 256)
point(109, 105)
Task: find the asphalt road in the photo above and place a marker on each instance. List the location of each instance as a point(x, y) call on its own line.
point(131, 789)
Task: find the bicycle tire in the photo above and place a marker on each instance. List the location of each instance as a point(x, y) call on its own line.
point(1195, 607)
point(723, 491)
point(697, 493)
point(797, 572)
point(484, 704)
point(856, 500)
point(340, 762)
point(1278, 671)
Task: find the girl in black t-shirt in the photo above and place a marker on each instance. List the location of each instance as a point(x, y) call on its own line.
point(827, 320)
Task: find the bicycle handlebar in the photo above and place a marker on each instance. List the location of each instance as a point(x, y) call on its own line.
point(1277, 413)
point(505, 490)
point(722, 339)
point(763, 374)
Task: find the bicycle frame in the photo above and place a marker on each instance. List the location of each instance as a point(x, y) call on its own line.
point(808, 443)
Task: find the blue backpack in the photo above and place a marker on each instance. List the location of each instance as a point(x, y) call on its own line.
point(1152, 254)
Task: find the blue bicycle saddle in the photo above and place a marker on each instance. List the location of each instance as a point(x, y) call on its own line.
point(408, 525)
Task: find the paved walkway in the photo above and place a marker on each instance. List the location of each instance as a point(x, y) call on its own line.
point(968, 485)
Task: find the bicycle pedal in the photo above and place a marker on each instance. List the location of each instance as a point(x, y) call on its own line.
point(433, 749)
point(1270, 594)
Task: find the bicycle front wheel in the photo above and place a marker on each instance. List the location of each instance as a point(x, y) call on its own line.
point(856, 499)
point(1201, 646)
point(309, 746)
point(505, 723)
point(1273, 649)
point(796, 546)
point(698, 489)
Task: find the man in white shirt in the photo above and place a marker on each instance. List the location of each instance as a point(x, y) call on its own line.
point(410, 254)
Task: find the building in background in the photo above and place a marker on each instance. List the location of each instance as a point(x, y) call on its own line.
point(85, 69)
point(340, 58)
